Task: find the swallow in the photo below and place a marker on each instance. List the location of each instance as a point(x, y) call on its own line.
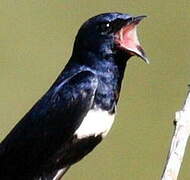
point(78, 110)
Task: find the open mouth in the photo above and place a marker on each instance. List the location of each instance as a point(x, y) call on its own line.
point(126, 38)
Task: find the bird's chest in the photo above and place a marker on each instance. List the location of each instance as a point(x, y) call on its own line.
point(96, 122)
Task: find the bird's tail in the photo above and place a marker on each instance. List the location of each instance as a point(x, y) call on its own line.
point(56, 175)
point(61, 173)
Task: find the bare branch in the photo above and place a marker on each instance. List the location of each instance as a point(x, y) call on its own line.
point(179, 141)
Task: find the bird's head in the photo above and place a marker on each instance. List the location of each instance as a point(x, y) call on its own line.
point(110, 33)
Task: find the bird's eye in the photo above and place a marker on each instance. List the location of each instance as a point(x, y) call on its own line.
point(105, 28)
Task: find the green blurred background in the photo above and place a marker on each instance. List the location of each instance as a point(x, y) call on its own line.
point(36, 38)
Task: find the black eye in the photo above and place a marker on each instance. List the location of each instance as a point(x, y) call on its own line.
point(105, 28)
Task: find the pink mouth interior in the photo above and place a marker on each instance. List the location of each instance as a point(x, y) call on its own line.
point(127, 38)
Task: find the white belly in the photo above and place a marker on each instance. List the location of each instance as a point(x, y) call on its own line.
point(96, 122)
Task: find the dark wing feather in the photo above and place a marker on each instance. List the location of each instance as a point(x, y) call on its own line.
point(45, 128)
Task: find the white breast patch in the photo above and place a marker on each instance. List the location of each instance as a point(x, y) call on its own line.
point(96, 122)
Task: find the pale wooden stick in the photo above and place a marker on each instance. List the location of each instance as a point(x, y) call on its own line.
point(179, 141)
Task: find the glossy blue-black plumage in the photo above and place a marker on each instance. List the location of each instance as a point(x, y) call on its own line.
point(43, 141)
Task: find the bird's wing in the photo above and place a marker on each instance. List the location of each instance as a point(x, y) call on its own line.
point(52, 120)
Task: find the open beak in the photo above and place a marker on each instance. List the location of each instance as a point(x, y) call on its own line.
point(127, 38)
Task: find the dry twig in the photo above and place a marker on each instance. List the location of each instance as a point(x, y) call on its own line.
point(179, 141)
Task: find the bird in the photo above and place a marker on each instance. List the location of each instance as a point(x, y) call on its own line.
point(78, 110)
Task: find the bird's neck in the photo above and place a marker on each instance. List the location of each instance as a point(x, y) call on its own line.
point(113, 63)
point(110, 70)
